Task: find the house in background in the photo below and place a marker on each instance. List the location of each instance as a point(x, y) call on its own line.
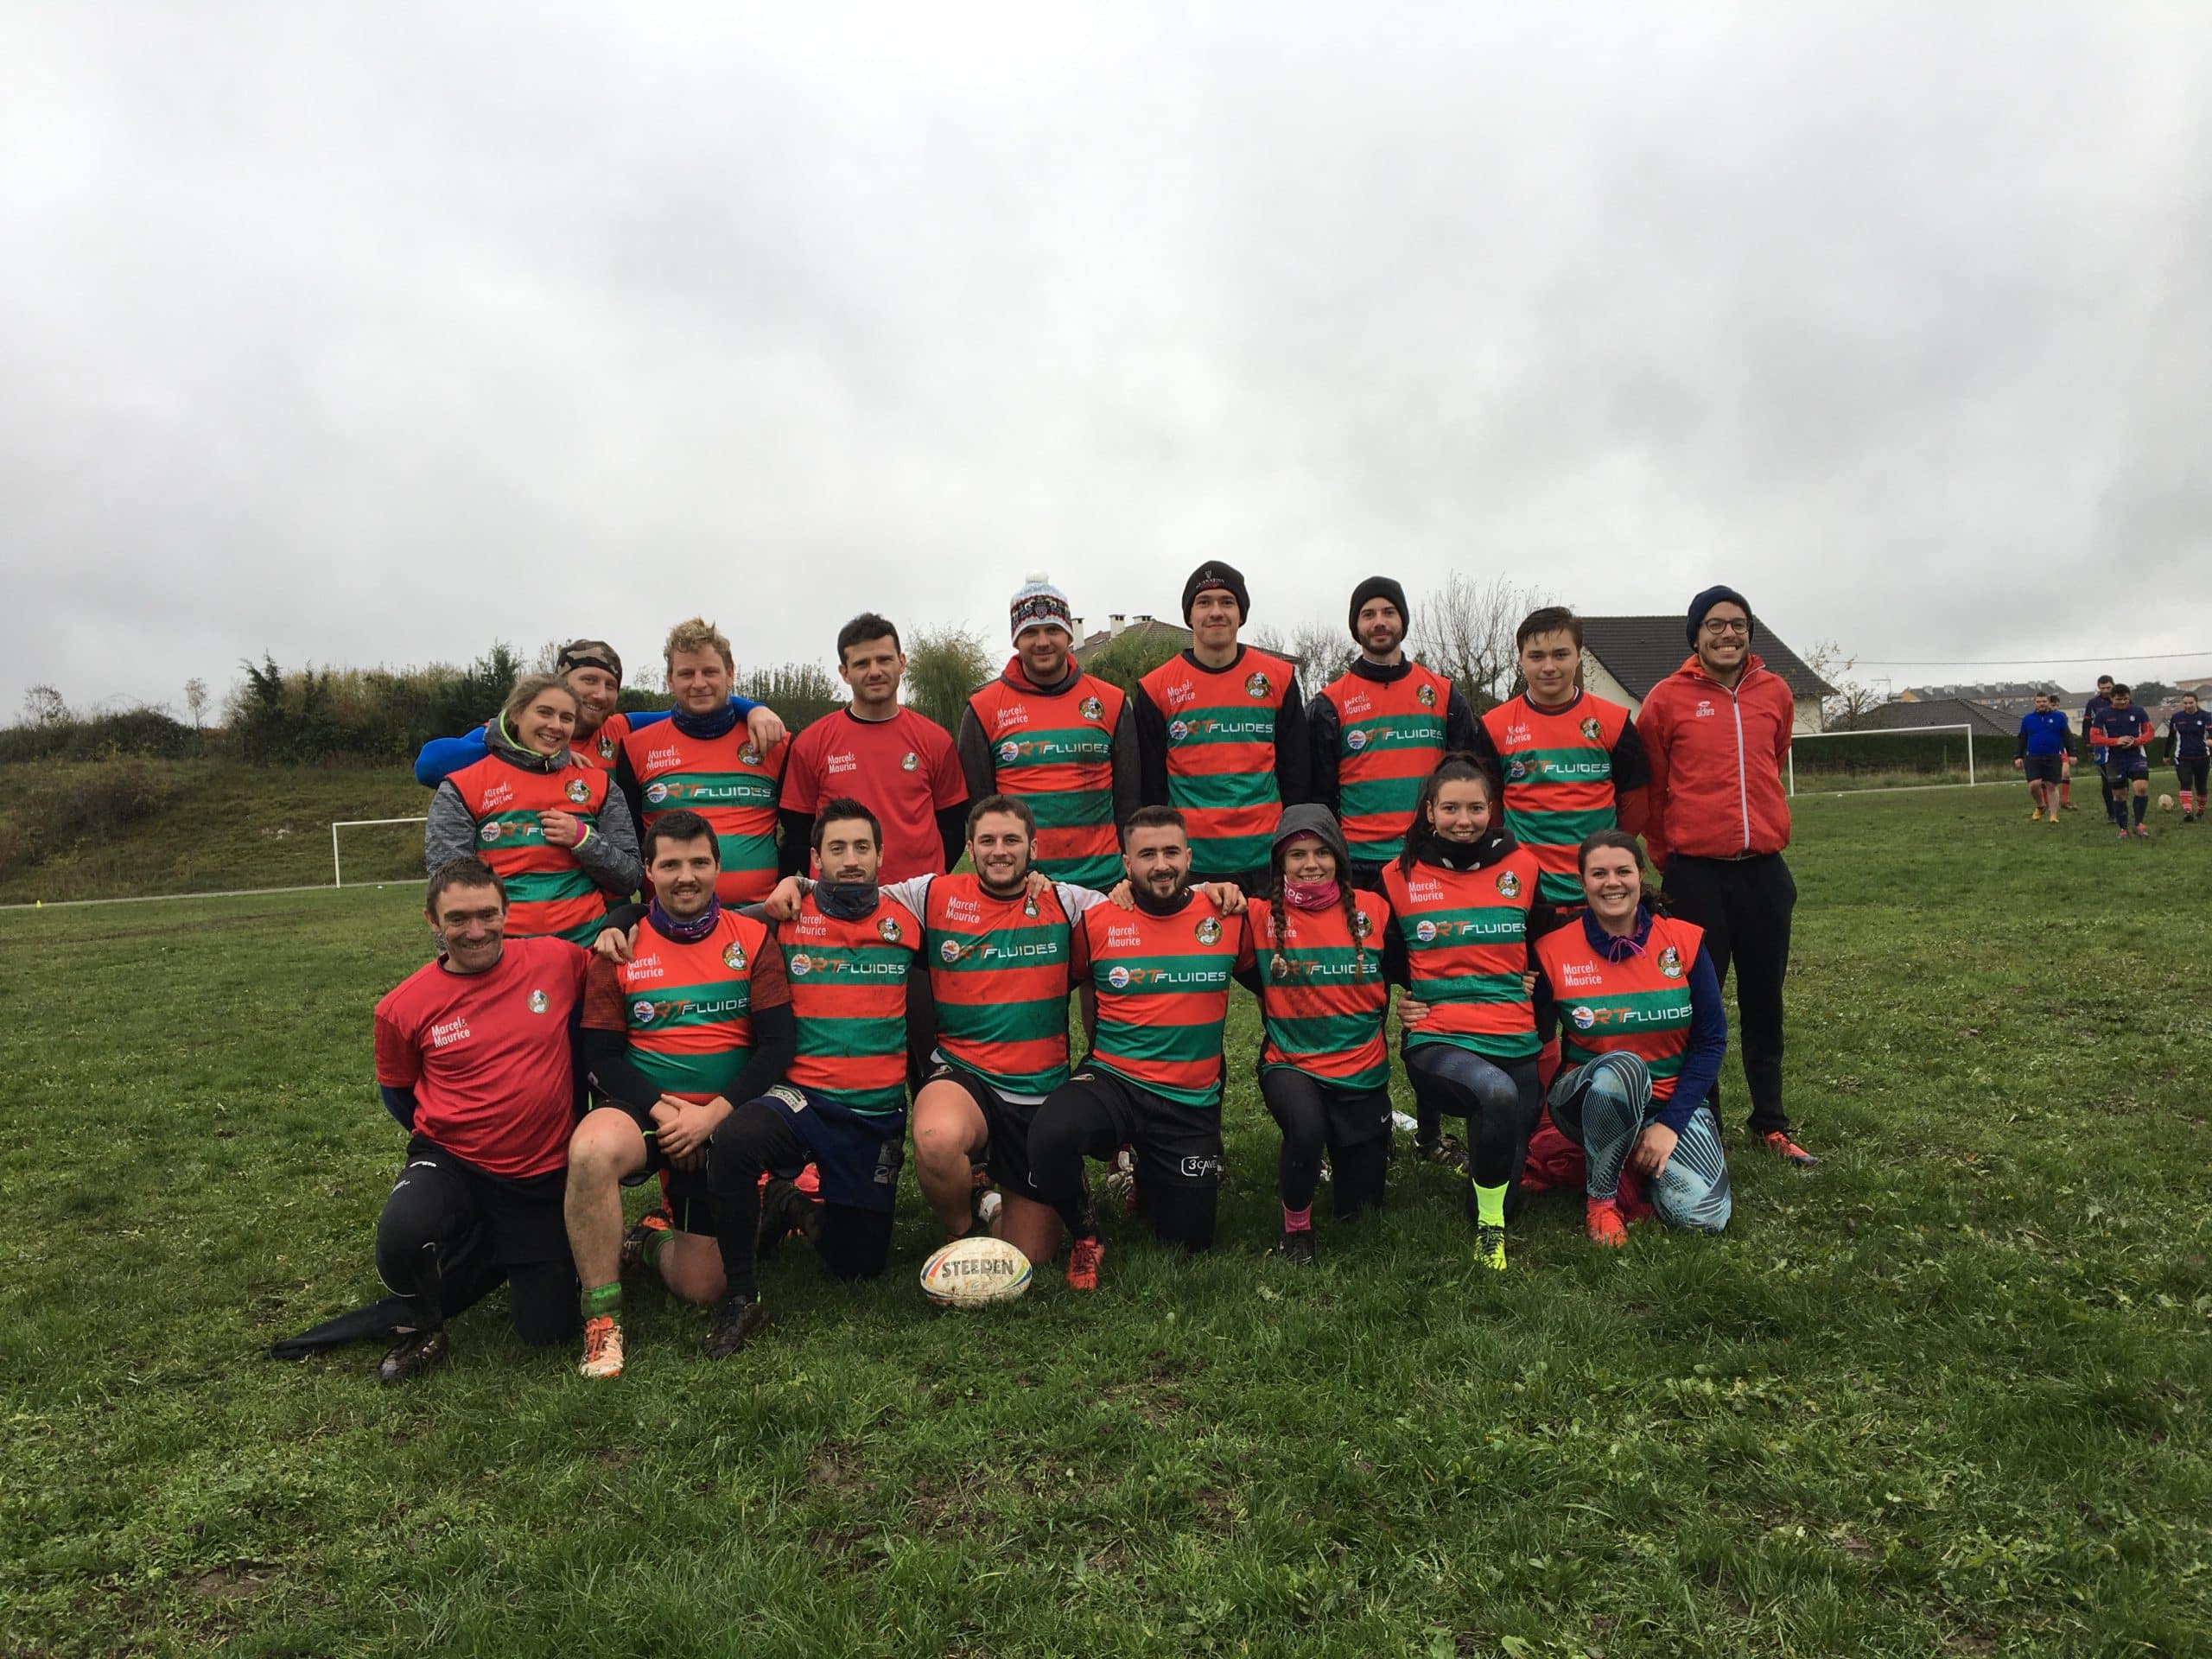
point(1143, 626)
point(1985, 720)
point(1623, 657)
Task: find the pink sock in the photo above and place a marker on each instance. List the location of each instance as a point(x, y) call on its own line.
point(1298, 1221)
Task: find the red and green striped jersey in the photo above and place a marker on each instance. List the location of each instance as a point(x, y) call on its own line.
point(848, 1001)
point(1221, 756)
point(601, 746)
point(1389, 738)
point(547, 891)
point(1002, 970)
point(1640, 1005)
point(687, 1008)
point(1321, 1010)
point(1558, 766)
point(1162, 988)
point(1466, 938)
point(728, 782)
point(1054, 751)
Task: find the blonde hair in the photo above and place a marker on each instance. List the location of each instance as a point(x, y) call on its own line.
point(528, 689)
point(697, 634)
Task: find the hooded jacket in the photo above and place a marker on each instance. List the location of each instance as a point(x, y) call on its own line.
point(1716, 756)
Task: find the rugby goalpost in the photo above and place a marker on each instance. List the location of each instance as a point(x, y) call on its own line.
point(1885, 731)
point(337, 870)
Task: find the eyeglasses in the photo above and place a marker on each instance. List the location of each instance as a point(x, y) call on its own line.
point(1720, 625)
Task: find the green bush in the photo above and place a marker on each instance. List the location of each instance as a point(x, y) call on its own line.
point(54, 809)
point(99, 737)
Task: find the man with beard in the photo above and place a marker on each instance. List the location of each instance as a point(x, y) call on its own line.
point(697, 1017)
point(1159, 978)
point(1379, 729)
point(848, 956)
point(1062, 742)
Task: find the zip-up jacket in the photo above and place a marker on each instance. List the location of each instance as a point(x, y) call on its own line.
point(1716, 758)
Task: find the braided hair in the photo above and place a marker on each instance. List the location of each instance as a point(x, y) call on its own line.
point(1280, 908)
point(1457, 767)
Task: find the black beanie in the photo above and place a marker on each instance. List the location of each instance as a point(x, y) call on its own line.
point(1214, 574)
point(1379, 588)
point(1713, 596)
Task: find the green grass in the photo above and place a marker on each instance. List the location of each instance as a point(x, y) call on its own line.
point(232, 826)
point(1947, 1393)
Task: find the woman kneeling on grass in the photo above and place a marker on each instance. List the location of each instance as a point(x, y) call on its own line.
point(1642, 1033)
point(557, 834)
point(1464, 896)
point(1324, 1071)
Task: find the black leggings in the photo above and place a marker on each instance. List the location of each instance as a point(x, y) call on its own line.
point(2191, 774)
point(1499, 1099)
point(853, 1243)
point(1310, 1115)
point(1092, 1117)
point(435, 1250)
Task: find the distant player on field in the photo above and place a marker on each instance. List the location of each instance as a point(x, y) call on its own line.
point(2186, 747)
point(2123, 732)
point(2041, 755)
point(2090, 710)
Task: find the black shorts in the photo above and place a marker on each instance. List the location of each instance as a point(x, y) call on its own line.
point(524, 1220)
point(1006, 1126)
point(857, 1155)
point(2045, 768)
point(1176, 1145)
point(2125, 764)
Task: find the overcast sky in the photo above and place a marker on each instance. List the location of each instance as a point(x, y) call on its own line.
point(366, 335)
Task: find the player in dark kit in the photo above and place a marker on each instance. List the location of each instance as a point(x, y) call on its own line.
point(2041, 755)
point(2123, 732)
point(2090, 710)
point(2186, 747)
point(1160, 975)
point(848, 958)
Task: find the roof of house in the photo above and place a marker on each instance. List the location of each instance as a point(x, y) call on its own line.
point(1641, 650)
point(1139, 625)
point(1939, 711)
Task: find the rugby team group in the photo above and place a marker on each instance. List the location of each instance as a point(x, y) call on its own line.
point(697, 946)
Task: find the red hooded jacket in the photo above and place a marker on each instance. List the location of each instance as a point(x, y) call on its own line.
point(1716, 759)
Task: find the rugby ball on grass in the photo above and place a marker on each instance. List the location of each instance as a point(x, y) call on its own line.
point(971, 1271)
point(2165, 803)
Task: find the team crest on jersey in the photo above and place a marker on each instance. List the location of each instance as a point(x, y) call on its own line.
point(1092, 708)
point(655, 793)
point(1029, 906)
point(1584, 1019)
point(488, 834)
point(605, 747)
point(800, 965)
point(1426, 695)
point(641, 1013)
point(1425, 932)
point(1209, 931)
point(1516, 770)
point(1590, 728)
point(949, 950)
point(1355, 740)
point(1179, 730)
point(1670, 962)
point(1257, 686)
point(748, 756)
point(909, 760)
point(734, 956)
point(887, 931)
point(578, 792)
point(1361, 925)
point(1118, 978)
point(1009, 753)
point(1510, 884)
point(539, 1002)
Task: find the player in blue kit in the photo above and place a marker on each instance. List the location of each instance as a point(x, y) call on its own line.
point(2042, 756)
point(2189, 745)
point(2123, 732)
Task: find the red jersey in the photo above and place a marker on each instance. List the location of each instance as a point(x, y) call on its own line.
point(1162, 988)
point(904, 769)
point(1716, 759)
point(599, 747)
point(487, 1055)
point(1640, 1005)
point(847, 982)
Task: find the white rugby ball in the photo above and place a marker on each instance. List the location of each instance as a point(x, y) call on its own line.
point(970, 1271)
point(2165, 803)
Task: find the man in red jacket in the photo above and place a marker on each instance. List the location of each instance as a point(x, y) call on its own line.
point(1716, 732)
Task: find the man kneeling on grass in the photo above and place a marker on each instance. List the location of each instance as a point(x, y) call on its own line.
point(473, 1058)
point(697, 1018)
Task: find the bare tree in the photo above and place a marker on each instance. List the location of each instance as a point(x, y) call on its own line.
point(1850, 701)
point(1463, 630)
point(1322, 653)
point(42, 706)
point(196, 698)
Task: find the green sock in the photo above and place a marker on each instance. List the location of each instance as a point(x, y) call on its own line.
point(1489, 1205)
point(605, 1299)
point(656, 1240)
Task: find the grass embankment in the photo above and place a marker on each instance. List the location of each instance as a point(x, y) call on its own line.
point(1947, 1393)
point(131, 827)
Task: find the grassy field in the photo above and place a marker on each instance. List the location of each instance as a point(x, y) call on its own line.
point(1946, 1393)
